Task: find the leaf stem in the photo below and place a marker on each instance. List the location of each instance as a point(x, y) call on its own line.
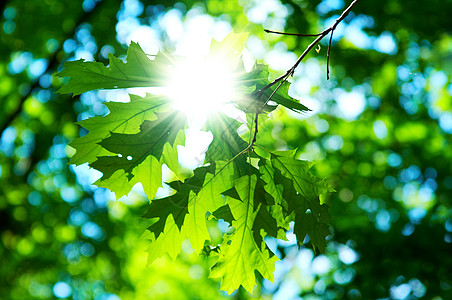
point(328, 56)
point(295, 34)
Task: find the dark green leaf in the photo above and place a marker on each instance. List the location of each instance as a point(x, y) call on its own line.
point(301, 190)
point(224, 213)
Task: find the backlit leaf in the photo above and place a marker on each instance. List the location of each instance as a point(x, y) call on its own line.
point(137, 71)
point(122, 118)
point(132, 149)
point(258, 192)
point(301, 190)
point(226, 143)
point(241, 255)
point(207, 200)
point(148, 173)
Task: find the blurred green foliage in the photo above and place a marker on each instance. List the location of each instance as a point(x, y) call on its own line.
point(380, 132)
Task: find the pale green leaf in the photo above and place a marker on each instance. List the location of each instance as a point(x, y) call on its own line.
point(226, 142)
point(137, 71)
point(208, 199)
point(241, 256)
point(230, 48)
point(176, 204)
point(132, 149)
point(298, 171)
point(169, 214)
point(170, 156)
point(122, 118)
point(169, 242)
point(149, 173)
point(197, 196)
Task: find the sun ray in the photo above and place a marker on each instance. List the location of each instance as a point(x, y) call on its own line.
point(201, 85)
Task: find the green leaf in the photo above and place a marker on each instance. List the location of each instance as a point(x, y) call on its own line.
point(282, 98)
point(280, 208)
point(176, 204)
point(258, 195)
point(276, 191)
point(207, 200)
point(171, 158)
point(224, 213)
point(259, 77)
point(138, 71)
point(298, 171)
point(251, 117)
point(148, 173)
point(313, 222)
point(133, 149)
point(230, 48)
point(170, 242)
point(240, 256)
point(169, 214)
point(264, 225)
point(188, 207)
point(226, 142)
point(137, 155)
point(301, 190)
point(123, 118)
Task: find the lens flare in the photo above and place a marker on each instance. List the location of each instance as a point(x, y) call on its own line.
point(202, 85)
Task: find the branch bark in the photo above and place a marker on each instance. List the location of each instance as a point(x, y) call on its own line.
point(312, 45)
point(291, 71)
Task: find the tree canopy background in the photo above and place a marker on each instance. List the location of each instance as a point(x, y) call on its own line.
point(380, 132)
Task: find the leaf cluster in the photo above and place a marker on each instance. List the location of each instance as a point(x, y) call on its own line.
point(259, 193)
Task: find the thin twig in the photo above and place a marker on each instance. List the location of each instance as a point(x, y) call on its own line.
point(259, 110)
point(311, 46)
point(295, 34)
point(291, 71)
point(328, 56)
point(256, 121)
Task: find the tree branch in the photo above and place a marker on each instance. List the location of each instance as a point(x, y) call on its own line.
point(291, 71)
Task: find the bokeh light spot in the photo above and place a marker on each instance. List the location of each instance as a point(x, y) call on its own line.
point(62, 290)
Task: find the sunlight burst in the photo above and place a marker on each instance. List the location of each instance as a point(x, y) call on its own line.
point(202, 85)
